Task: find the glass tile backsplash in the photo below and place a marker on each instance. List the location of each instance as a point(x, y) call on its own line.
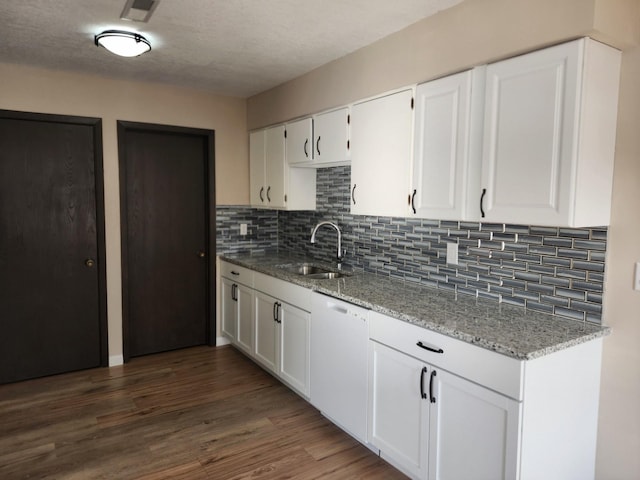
point(553, 270)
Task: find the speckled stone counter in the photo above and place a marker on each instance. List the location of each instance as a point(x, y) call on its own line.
point(506, 329)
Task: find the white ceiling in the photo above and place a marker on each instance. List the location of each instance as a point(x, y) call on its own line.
point(230, 47)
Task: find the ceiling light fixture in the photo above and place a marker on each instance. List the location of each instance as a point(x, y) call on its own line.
point(125, 44)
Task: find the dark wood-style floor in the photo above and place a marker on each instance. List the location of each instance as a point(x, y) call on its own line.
point(200, 413)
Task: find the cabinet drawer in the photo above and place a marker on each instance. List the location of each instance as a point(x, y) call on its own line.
point(287, 292)
point(237, 273)
point(487, 368)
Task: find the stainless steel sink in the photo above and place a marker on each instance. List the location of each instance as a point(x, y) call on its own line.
point(313, 271)
point(328, 275)
point(306, 270)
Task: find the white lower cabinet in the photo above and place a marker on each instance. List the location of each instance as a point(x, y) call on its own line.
point(293, 335)
point(237, 305)
point(229, 324)
point(483, 424)
point(432, 424)
point(282, 340)
point(443, 409)
point(398, 414)
point(266, 331)
point(244, 299)
point(282, 336)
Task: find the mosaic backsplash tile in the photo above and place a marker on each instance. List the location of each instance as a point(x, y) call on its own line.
point(262, 230)
point(553, 270)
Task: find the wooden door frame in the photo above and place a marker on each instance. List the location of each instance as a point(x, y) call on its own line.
point(210, 219)
point(98, 175)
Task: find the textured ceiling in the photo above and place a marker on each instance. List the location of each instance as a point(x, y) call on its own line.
point(230, 47)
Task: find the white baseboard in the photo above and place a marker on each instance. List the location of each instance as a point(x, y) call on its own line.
point(222, 341)
point(115, 360)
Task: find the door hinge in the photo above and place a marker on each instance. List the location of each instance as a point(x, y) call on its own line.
point(349, 119)
point(411, 103)
point(285, 199)
point(285, 134)
point(348, 144)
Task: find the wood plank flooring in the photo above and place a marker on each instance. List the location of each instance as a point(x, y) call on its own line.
point(199, 413)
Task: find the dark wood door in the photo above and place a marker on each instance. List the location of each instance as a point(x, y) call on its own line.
point(52, 314)
point(164, 187)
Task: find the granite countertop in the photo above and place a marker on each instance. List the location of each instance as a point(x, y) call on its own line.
point(506, 329)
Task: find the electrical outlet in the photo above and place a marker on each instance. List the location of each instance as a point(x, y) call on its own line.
point(452, 253)
point(243, 229)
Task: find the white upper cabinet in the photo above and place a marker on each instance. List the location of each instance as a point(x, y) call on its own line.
point(299, 142)
point(257, 173)
point(331, 138)
point(549, 136)
point(273, 184)
point(447, 136)
point(381, 146)
point(267, 167)
point(275, 167)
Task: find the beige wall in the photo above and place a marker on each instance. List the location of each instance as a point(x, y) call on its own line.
point(46, 91)
point(619, 428)
point(475, 32)
point(479, 31)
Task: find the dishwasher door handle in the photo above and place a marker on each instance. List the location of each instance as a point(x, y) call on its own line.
point(337, 308)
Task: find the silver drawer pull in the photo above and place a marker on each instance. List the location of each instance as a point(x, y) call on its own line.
point(430, 348)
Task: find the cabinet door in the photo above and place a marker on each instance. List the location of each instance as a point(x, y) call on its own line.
point(245, 337)
point(275, 166)
point(442, 148)
point(398, 413)
point(331, 137)
point(299, 142)
point(530, 123)
point(229, 309)
point(294, 336)
point(473, 431)
point(381, 132)
point(257, 169)
point(265, 331)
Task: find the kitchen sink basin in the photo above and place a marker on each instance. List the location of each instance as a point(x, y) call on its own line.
point(307, 270)
point(321, 275)
point(313, 271)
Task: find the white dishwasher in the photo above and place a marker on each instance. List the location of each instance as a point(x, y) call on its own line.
point(339, 337)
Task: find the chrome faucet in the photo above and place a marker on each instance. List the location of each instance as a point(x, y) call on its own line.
point(330, 224)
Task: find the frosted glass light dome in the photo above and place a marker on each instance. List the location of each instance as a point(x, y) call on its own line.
point(124, 44)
